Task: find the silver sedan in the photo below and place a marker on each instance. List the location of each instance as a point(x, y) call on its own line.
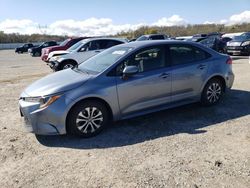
point(125, 81)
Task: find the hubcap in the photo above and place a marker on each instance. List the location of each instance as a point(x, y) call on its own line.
point(213, 92)
point(89, 120)
point(67, 66)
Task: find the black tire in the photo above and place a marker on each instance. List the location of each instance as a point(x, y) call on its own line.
point(212, 92)
point(65, 65)
point(36, 54)
point(80, 119)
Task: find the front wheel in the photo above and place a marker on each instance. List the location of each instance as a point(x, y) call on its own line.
point(212, 92)
point(66, 65)
point(36, 54)
point(87, 119)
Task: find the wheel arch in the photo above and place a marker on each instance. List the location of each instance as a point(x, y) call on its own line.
point(69, 60)
point(110, 112)
point(219, 77)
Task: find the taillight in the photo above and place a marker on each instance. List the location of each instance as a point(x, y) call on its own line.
point(229, 61)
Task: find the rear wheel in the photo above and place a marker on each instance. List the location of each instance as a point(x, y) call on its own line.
point(212, 92)
point(87, 118)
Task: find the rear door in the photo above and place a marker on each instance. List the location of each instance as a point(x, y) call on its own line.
point(94, 47)
point(150, 87)
point(189, 68)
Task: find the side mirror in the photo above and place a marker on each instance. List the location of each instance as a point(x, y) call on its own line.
point(82, 49)
point(129, 71)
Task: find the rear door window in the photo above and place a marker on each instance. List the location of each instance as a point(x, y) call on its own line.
point(184, 54)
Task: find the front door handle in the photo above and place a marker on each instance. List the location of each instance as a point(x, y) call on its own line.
point(164, 75)
point(201, 66)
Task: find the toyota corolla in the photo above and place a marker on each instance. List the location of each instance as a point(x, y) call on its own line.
point(125, 81)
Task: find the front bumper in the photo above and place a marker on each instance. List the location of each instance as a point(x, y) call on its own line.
point(53, 65)
point(45, 57)
point(238, 50)
point(31, 53)
point(47, 121)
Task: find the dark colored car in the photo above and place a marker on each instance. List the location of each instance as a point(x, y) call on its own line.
point(24, 48)
point(216, 43)
point(152, 37)
point(200, 37)
point(36, 51)
point(240, 45)
point(63, 46)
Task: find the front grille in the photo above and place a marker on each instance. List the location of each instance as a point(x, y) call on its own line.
point(234, 48)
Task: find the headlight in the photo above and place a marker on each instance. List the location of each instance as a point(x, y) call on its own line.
point(245, 43)
point(43, 101)
point(46, 101)
point(56, 57)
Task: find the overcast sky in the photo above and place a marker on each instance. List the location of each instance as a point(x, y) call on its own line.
point(103, 17)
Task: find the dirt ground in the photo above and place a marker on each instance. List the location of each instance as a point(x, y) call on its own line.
point(190, 146)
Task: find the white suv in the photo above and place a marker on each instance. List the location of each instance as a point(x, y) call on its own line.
point(80, 52)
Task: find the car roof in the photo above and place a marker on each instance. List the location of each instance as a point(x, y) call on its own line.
point(138, 44)
point(105, 38)
point(149, 35)
point(148, 43)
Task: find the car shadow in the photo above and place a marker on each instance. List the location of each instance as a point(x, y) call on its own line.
point(190, 119)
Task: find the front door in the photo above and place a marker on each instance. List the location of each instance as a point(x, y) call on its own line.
point(150, 87)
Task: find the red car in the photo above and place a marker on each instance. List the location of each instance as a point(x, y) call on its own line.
point(63, 46)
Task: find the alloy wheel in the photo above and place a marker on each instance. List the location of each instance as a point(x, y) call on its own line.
point(89, 120)
point(67, 66)
point(213, 92)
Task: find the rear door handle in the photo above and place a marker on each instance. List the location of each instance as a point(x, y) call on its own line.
point(164, 75)
point(201, 66)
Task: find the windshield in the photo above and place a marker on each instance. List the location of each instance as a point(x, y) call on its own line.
point(64, 42)
point(104, 59)
point(142, 38)
point(244, 36)
point(77, 45)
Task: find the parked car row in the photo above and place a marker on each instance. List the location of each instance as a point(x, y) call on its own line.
point(118, 80)
point(237, 45)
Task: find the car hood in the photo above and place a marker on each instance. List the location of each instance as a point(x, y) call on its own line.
point(56, 48)
point(57, 82)
point(238, 40)
point(235, 42)
point(59, 52)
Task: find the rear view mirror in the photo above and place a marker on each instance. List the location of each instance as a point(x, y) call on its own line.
point(129, 71)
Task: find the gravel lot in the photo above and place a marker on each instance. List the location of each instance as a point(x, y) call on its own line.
point(190, 146)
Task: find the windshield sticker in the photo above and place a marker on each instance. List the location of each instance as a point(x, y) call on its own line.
point(119, 52)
